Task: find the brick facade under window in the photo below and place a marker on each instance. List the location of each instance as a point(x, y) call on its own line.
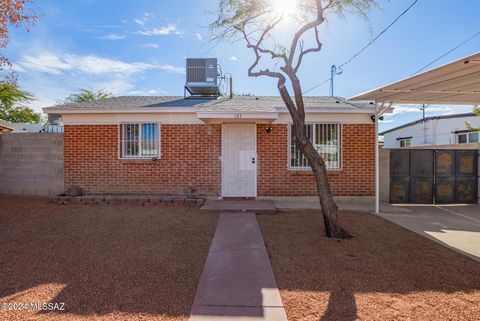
point(356, 178)
point(190, 156)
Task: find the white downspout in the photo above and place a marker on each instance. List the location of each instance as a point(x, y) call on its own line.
point(377, 163)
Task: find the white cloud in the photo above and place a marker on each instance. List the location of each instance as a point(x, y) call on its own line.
point(113, 36)
point(170, 29)
point(146, 92)
point(172, 69)
point(233, 58)
point(98, 65)
point(52, 76)
point(50, 63)
point(150, 45)
point(45, 62)
point(118, 85)
point(139, 22)
point(17, 68)
point(199, 36)
point(403, 109)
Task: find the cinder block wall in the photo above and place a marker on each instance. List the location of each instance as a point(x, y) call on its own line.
point(31, 163)
point(356, 178)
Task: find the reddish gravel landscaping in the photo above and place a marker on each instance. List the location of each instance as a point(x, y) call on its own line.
point(105, 262)
point(384, 273)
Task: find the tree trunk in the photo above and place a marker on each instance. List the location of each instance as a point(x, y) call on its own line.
point(329, 207)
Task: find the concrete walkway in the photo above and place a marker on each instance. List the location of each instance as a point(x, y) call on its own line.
point(345, 203)
point(237, 281)
point(255, 206)
point(454, 226)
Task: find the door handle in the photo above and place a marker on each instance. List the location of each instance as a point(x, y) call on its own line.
point(253, 160)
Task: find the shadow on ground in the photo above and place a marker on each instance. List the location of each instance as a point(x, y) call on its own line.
point(384, 273)
point(101, 260)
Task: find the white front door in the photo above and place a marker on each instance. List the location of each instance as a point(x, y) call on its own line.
point(239, 160)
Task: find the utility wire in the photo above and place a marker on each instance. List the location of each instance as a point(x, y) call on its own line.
point(316, 86)
point(448, 52)
point(379, 35)
point(365, 47)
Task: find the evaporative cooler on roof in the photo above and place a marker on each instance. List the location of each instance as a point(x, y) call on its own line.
point(202, 77)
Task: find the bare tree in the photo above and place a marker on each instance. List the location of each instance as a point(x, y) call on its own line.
point(255, 22)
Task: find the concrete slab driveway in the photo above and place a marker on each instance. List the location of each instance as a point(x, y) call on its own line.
point(455, 226)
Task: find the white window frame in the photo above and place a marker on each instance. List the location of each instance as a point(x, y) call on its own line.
point(457, 136)
point(405, 140)
point(121, 145)
point(307, 167)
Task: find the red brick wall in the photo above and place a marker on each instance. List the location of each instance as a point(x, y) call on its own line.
point(357, 177)
point(190, 156)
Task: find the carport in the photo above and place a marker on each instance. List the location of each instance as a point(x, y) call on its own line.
point(455, 83)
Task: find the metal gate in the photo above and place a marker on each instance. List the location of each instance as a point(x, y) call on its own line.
point(424, 176)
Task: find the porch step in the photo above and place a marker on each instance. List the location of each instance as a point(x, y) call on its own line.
point(255, 206)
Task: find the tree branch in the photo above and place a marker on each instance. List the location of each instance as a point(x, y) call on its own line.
point(257, 50)
point(298, 35)
point(305, 52)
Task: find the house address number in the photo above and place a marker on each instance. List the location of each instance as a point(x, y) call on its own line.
point(237, 116)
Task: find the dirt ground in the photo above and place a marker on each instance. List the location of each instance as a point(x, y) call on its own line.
point(384, 273)
point(104, 262)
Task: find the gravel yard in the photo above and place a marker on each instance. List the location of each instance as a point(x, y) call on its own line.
point(104, 262)
point(384, 273)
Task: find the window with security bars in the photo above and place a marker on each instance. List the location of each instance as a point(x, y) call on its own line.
point(139, 141)
point(326, 140)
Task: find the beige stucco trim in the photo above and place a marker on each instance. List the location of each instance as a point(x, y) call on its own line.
point(113, 119)
point(285, 118)
point(193, 118)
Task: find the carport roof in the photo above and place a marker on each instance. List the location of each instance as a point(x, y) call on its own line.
point(456, 83)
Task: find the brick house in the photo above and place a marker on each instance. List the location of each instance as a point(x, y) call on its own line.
point(239, 147)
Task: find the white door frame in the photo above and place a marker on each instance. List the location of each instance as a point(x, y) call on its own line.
point(254, 128)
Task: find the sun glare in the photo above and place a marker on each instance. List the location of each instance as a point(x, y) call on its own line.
point(284, 8)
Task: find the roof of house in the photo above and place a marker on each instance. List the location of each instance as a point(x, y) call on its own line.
point(5, 124)
point(238, 103)
point(427, 119)
point(21, 127)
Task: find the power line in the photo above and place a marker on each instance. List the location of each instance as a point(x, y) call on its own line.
point(365, 47)
point(316, 86)
point(448, 52)
point(379, 35)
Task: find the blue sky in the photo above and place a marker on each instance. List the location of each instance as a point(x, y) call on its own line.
point(138, 48)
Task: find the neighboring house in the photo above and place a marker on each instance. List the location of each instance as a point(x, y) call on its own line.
point(5, 127)
point(238, 147)
point(19, 127)
point(434, 131)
